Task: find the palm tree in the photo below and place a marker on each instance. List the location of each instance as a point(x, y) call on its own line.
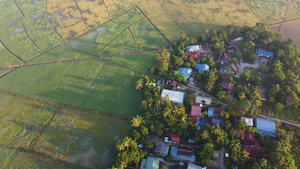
point(167, 112)
point(171, 120)
point(263, 162)
point(144, 104)
point(242, 96)
point(204, 135)
point(125, 143)
point(76, 55)
point(139, 84)
point(137, 121)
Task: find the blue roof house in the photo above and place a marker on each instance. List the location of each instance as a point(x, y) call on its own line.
point(210, 112)
point(266, 127)
point(152, 163)
point(183, 154)
point(216, 121)
point(185, 72)
point(202, 67)
point(264, 53)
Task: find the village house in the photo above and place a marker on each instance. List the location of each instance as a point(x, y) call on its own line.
point(263, 92)
point(174, 96)
point(207, 47)
point(172, 138)
point(202, 67)
point(196, 112)
point(195, 55)
point(161, 149)
point(183, 153)
point(225, 57)
point(236, 38)
point(225, 66)
point(194, 48)
point(185, 72)
point(249, 121)
point(169, 83)
point(252, 146)
point(216, 114)
point(265, 56)
point(152, 163)
point(266, 127)
point(202, 99)
point(228, 86)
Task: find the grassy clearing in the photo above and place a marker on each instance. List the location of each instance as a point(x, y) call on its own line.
point(21, 120)
point(5, 155)
point(31, 6)
point(95, 40)
point(30, 160)
point(112, 77)
point(37, 81)
point(144, 33)
point(160, 19)
point(66, 18)
point(8, 10)
point(83, 138)
point(131, 99)
point(7, 58)
point(123, 43)
point(77, 82)
point(128, 18)
point(59, 53)
point(93, 12)
point(141, 62)
point(15, 39)
point(268, 11)
point(115, 7)
point(40, 31)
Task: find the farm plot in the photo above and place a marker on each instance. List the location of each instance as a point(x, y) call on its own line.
point(14, 37)
point(66, 18)
point(5, 156)
point(290, 30)
point(93, 12)
point(130, 17)
point(145, 34)
point(60, 53)
point(21, 120)
point(77, 82)
point(141, 62)
point(40, 31)
point(116, 7)
point(268, 11)
point(83, 138)
point(8, 10)
point(31, 6)
point(37, 81)
point(293, 9)
point(160, 19)
point(31, 160)
point(131, 99)
point(6, 59)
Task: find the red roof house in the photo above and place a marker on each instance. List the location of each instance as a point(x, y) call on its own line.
point(249, 136)
point(250, 140)
point(228, 86)
point(257, 153)
point(172, 138)
point(196, 111)
point(194, 55)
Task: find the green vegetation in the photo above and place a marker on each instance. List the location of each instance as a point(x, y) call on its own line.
point(14, 37)
point(5, 156)
point(40, 31)
point(83, 138)
point(9, 10)
point(7, 58)
point(130, 17)
point(31, 6)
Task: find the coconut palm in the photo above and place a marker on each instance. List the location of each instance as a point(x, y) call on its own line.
point(242, 96)
point(204, 135)
point(137, 121)
point(139, 84)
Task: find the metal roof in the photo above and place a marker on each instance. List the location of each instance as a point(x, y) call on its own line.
point(249, 121)
point(175, 96)
point(266, 127)
point(193, 48)
point(185, 72)
point(202, 67)
point(264, 53)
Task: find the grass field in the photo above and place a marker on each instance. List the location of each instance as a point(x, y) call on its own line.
point(14, 37)
point(31, 6)
point(83, 138)
point(5, 156)
point(7, 58)
point(115, 7)
point(141, 62)
point(40, 31)
point(8, 10)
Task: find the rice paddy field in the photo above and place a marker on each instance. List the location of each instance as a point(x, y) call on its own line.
point(68, 69)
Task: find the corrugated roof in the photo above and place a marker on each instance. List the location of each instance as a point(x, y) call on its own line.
point(249, 121)
point(216, 121)
point(175, 137)
point(210, 112)
point(185, 72)
point(194, 48)
point(196, 110)
point(264, 53)
point(175, 96)
point(202, 67)
point(266, 127)
point(153, 162)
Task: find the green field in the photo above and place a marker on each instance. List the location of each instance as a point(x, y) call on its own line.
point(14, 37)
point(8, 10)
point(5, 156)
point(31, 6)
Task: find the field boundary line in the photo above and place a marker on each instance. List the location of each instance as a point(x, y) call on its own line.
point(18, 7)
point(50, 23)
point(223, 10)
point(132, 38)
point(81, 14)
point(123, 89)
point(29, 37)
point(4, 74)
point(37, 139)
point(253, 11)
point(155, 26)
point(106, 8)
point(191, 11)
point(12, 157)
point(168, 14)
point(61, 81)
point(8, 51)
